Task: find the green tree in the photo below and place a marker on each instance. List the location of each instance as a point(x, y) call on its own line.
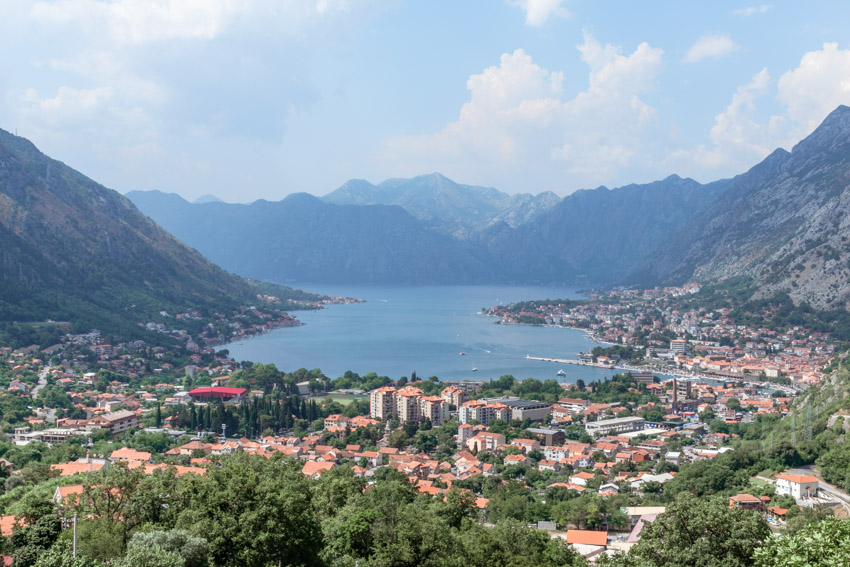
point(61, 555)
point(253, 511)
point(700, 532)
point(120, 499)
point(824, 544)
point(511, 544)
point(166, 548)
point(334, 490)
point(152, 556)
point(35, 531)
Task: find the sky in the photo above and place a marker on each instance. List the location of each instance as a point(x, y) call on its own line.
point(251, 99)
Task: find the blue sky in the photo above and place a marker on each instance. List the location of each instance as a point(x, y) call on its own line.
point(249, 99)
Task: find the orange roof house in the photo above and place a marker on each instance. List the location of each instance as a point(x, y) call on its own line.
point(587, 537)
point(315, 469)
point(128, 454)
point(70, 469)
point(7, 524)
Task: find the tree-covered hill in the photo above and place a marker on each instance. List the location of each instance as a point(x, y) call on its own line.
point(74, 250)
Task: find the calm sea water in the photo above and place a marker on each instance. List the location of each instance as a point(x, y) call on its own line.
point(400, 330)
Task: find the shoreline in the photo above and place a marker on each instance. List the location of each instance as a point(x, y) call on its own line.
point(636, 368)
point(293, 320)
point(675, 372)
point(587, 333)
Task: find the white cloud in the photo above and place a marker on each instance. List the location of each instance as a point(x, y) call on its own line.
point(68, 108)
point(816, 87)
point(807, 94)
point(324, 7)
point(537, 12)
point(737, 138)
point(752, 10)
point(518, 120)
point(715, 45)
point(143, 21)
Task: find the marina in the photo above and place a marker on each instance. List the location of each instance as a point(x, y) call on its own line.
point(673, 373)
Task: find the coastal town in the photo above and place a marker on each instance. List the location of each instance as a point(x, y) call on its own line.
point(664, 337)
point(595, 463)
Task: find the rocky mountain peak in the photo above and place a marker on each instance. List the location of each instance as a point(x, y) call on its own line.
point(832, 134)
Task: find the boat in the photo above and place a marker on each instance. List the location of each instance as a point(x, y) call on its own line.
point(608, 366)
point(561, 372)
point(462, 353)
point(474, 369)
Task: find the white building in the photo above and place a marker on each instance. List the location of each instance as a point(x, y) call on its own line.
point(382, 403)
point(616, 425)
point(796, 485)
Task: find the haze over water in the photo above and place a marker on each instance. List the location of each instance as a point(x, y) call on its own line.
point(424, 329)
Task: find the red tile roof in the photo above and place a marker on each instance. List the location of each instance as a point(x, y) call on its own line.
point(587, 537)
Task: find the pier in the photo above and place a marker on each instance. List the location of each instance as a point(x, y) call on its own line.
point(788, 389)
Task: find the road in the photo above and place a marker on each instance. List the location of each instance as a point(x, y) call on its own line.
point(42, 381)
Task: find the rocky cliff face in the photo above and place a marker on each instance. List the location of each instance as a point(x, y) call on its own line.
point(69, 246)
point(784, 222)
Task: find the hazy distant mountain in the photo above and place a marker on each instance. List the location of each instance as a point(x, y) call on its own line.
point(443, 204)
point(71, 249)
point(598, 235)
point(207, 199)
point(591, 236)
point(786, 223)
point(303, 238)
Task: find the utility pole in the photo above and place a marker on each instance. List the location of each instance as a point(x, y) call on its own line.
point(75, 536)
point(808, 421)
point(794, 429)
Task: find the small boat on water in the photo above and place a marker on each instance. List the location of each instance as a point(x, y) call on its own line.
point(608, 366)
point(561, 372)
point(462, 353)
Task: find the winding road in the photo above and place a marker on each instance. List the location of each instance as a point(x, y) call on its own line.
point(42, 381)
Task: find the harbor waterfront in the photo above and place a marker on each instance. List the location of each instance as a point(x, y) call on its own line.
point(400, 330)
point(676, 373)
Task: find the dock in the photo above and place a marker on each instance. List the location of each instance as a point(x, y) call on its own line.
point(788, 389)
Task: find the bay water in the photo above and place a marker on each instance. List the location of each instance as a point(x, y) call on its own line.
point(401, 329)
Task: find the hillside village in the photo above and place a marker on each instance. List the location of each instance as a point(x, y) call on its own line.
point(593, 460)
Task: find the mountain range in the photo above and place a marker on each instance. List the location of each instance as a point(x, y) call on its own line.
point(69, 245)
point(782, 224)
point(393, 232)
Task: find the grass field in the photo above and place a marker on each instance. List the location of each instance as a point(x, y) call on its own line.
point(342, 399)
